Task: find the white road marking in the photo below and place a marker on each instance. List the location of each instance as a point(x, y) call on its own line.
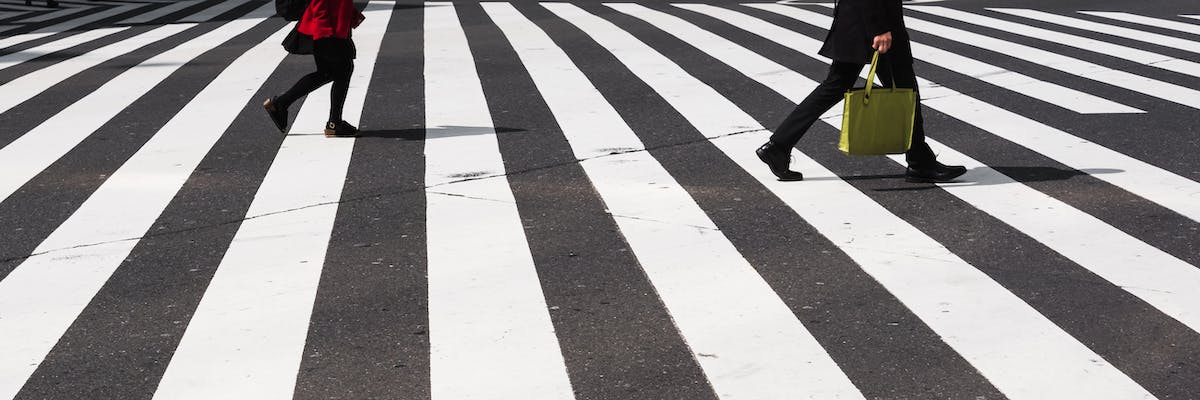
point(159, 12)
point(1048, 92)
point(1108, 29)
point(1138, 177)
point(720, 304)
point(1020, 351)
point(66, 25)
point(1155, 22)
point(1139, 56)
point(42, 297)
point(214, 11)
point(64, 12)
point(1163, 90)
point(12, 59)
point(247, 337)
point(490, 331)
point(37, 149)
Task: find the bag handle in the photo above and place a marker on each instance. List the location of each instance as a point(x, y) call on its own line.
point(871, 76)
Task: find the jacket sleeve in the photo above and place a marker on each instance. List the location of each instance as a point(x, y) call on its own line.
point(884, 16)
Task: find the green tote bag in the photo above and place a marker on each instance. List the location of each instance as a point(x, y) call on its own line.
point(877, 121)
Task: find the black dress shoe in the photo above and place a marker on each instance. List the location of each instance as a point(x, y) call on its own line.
point(934, 173)
point(340, 129)
point(278, 114)
point(777, 159)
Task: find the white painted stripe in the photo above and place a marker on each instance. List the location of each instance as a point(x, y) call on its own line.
point(1140, 178)
point(159, 12)
point(1048, 92)
point(12, 59)
point(1170, 190)
point(214, 11)
point(1165, 282)
point(1153, 275)
point(89, 18)
point(489, 327)
point(1123, 52)
point(55, 14)
point(1020, 351)
point(1108, 76)
point(1108, 29)
point(25, 87)
point(1155, 22)
point(20, 38)
point(753, 65)
point(729, 316)
point(246, 339)
point(66, 25)
point(1058, 95)
point(37, 149)
point(42, 296)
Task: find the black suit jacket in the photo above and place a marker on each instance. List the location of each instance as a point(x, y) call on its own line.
point(855, 25)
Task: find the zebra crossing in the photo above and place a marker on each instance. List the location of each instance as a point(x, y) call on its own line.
point(560, 200)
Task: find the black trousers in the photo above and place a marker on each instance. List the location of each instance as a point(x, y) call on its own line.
point(335, 63)
point(841, 78)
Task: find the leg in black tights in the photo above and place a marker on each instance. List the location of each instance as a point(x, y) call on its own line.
point(335, 63)
point(337, 94)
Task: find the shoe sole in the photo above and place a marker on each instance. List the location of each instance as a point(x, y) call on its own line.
point(270, 107)
point(332, 134)
point(913, 179)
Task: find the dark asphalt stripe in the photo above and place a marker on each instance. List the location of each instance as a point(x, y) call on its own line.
point(106, 22)
point(43, 61)
point(30, 27)
point(1154, 137)
point(238, 12)
point(177, 15)
point(29, 114)
point(1072, 30)
point(368, 337)
point(1139, 217)
point(881, 346)
point(1152, 348)
point(1131, 134)
point(1158, 137)
point(121, 343)
point(43, 203)
point(616, 336)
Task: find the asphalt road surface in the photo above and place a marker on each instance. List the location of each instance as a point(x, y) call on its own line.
point(561, 200)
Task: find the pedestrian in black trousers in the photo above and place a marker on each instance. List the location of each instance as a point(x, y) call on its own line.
point(859, 28)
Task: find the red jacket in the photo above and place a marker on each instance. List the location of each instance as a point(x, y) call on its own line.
point(329, 18)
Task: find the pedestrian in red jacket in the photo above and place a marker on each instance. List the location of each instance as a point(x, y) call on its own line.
point(328, 22)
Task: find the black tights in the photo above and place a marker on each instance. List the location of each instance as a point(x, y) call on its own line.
point(842, 77)
point(335, 63)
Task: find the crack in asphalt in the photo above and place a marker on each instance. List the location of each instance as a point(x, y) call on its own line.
point(401, 192)
point(457, 181)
